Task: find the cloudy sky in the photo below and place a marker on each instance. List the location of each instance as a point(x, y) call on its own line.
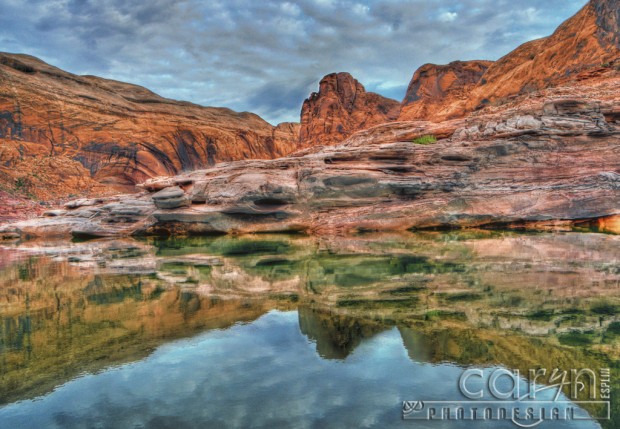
point(267, 56)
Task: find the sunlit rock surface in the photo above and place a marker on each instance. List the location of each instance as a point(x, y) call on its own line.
point(553, 167)
point(341, 107)
point(64, 134)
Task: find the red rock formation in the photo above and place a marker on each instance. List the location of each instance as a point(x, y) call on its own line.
point(341, 107)
point(518, 169)
point(584, 46)
point(115, 133)
point(97, 131)
point(585, 42)
point(435, 87)
point(14, 208)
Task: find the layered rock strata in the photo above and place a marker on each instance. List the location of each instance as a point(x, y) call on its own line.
point(585, 46)
point(556, 166)
point(112, 133)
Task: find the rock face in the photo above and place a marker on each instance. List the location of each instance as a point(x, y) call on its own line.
point(584, 43)
point(171, 197)
point(516, 170)
point(585, 46)
point(435, 87)
point(509, 133)
point(13, 207)
point(607, 14)
point(341, 107)
point(113, 133)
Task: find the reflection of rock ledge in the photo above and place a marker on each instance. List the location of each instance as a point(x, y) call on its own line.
point(536, 283)
point(500, 171)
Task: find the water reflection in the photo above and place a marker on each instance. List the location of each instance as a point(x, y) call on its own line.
point(336, 336)
point(474, 298)
point(265, 374)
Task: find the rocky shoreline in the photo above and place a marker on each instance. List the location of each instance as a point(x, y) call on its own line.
point(554, 167)
point(529, 140)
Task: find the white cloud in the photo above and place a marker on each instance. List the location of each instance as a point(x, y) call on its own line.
point(448, 16)
point(531, 14)
point(360, 9)
point(290, 9)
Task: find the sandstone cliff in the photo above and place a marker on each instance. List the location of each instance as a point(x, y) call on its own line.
point(583, 47)
point(341, 107)
point(509, 133)
point(512, 170)
point(435, 88)
point(111, 134)
point(584, 44)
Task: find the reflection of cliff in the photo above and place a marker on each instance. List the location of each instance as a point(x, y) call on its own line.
point(538, 283)
point(531, 282)
point(56, 326)
point(446, 342)
point(417, 344)
point(336, 336)
point(469, 298)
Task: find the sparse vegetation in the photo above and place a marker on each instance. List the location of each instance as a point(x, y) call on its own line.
point(604, 308)
point(20, 183)
point(428, 139)
point(444, 315)
point(541, 314)
point(577, 338)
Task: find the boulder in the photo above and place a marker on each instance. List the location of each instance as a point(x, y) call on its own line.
point(170, 198)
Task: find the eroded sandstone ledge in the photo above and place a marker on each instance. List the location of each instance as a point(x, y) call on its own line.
point(557, 166)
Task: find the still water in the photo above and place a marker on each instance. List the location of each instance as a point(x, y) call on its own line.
point(285, 331)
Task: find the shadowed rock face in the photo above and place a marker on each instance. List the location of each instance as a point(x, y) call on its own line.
point(517, 170)
point(118, 134)
point(608, 20)
point(341, 107)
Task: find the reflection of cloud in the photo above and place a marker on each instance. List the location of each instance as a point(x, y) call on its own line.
point(261, 375)
point(267, 56)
